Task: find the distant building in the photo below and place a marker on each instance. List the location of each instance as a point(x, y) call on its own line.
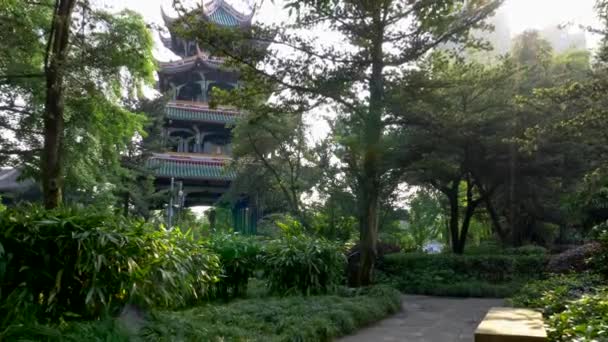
point(197, 137)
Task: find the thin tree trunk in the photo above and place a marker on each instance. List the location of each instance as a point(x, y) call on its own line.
point(454, 223)
point(495, 220)
point(370, 182)
point(52, 173)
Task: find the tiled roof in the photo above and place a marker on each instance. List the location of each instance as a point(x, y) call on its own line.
point(191, 168)
point(222, 13)
point(178, 111)
point(221, 17)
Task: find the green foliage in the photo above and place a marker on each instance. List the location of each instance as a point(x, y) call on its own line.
point(81, 263)
point(335, 228)
point(599, 261)
point(575, 305)
point(303, 264)
point(239, 257)
point(553, 294)
point(526, 250)
point(312, 318)
point(296, 318)
point(425, 221)
point(585, 319)
point(108, 62)
point(461, 275)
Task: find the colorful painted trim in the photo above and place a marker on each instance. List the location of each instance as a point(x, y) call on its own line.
point(181, 167)
point(199, 113)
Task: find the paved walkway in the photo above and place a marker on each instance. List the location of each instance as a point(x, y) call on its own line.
point(429, 319)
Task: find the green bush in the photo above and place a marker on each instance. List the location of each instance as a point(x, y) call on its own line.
point(461, 275)
point(599, 261)
point(491, 268)
point(575, 305)
point(78, 263)
point(302, 264)
point(526, 250)
point(585, 319)
point(552, 294)
point(239, 256)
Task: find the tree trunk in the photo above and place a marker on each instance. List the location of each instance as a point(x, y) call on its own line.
point(52, 173)
point(464, 231)
point(370, 178)
point(498, 229)
point(368, 241)
point(454, 216)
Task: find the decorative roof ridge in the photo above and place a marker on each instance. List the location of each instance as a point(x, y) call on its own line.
point(191, 158)
point(199, 106)
point(213, 5)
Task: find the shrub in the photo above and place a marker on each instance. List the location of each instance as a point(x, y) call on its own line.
point(302, 264)
point(585, 319)
point(492, 268)
point(69, 262)
point(552, 294)
point(239, 256)
point(526, 250)
point(487, 247)
point(599, 261)
point(461, 275)
point(575, 259)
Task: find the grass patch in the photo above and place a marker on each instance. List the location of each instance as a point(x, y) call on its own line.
point(294, 318)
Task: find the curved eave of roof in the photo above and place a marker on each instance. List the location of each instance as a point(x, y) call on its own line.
point(189, 63)
point(197, 113)
point(196, 168)
point(166, 18)
point(212, 6)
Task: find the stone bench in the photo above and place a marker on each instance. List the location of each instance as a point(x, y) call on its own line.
point(510, 325)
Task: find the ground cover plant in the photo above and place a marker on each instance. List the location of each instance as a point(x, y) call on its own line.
point(292, 318)
point(575, 305)
point(478, 275)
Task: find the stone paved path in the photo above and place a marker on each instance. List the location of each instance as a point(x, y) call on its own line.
point(429, 319)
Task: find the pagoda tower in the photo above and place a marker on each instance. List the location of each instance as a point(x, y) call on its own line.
point(197, 138)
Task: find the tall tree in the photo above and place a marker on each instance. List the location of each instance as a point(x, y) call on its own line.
point(380, 39)
point(73, 102)
point(54, 121)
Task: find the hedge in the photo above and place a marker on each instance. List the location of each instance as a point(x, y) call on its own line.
point(461, 275)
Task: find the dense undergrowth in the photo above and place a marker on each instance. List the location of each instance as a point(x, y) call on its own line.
point(292, 318)
point(575, 305)
point(475, 275)
point(68, 274)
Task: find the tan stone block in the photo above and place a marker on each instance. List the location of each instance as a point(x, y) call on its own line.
point(511, 325)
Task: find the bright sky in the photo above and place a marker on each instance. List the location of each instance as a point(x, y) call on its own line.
point(521, 14)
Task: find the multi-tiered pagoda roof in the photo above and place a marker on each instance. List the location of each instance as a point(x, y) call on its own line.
point(198, 148)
